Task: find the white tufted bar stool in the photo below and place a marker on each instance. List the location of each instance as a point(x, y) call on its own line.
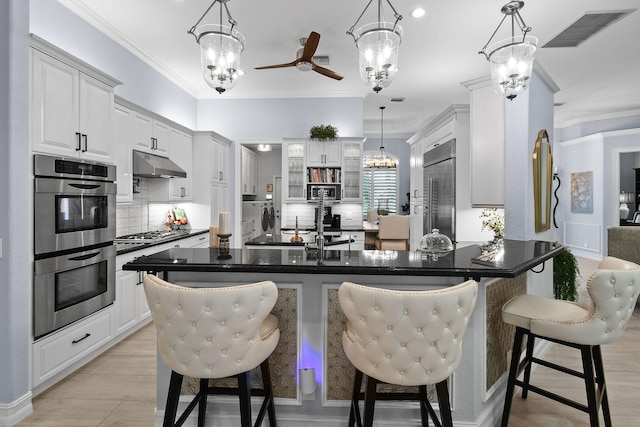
point(209, 333)
point(613, 289)
point(408, 338)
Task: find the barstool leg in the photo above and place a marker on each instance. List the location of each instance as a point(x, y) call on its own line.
point(443, 401)
point(202, 408)
point(590, 385)
point(527, 370)
point(602, 385)
point(369, 401)
point(354, 412)
point(268, 390)
point(244, 392)
point(424, 412)
point(171, 408)
point(513, 372)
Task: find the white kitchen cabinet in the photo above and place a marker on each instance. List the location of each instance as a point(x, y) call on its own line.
point(151, 135)
point(249, 171)
point(219, 162)
point(324, 153)
point(122, 134)
point(209, 150)
point(219, 202)
point(351, 179)
point(71, 107)
point(70, 347)
point(176, 189)
point(416, 211)
point(181, 152)
point(293, 171)
point(199, 241)
point(131, 309)
point(416, 174)
point(487, 147)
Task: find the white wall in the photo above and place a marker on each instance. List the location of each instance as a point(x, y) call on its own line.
point(599, 153)
point(15, 200)
point(279, 118)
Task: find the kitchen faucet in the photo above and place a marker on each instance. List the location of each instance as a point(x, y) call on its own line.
point(320, 228)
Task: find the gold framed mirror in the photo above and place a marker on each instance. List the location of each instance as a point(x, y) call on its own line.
point(542, 177)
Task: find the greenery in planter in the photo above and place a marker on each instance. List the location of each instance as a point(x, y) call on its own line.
point(565, 274)
point(323, 132)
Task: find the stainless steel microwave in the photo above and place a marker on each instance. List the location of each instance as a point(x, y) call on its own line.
point(331, 191)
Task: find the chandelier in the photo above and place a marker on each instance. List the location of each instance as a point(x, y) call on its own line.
point(378, 44)
point(512, 58)
point(220, 49)
point(382, 159)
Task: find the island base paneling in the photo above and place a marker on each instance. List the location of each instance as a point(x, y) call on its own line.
point(312, 322)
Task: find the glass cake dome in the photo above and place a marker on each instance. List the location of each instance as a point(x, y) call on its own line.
point(436, 244)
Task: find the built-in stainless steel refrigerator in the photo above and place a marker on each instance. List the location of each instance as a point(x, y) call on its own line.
point(439, 189)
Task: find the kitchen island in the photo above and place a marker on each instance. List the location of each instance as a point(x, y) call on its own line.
point(311, 321)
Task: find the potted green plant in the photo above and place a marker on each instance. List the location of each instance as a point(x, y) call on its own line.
point(565, 275)
point(323, 132)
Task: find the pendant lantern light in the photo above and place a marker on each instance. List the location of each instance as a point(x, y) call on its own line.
point(382, 159)
point(512, 58)
point(378, 44)
point(220, 49)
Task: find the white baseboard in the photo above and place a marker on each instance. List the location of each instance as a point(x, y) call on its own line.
point(14, 412)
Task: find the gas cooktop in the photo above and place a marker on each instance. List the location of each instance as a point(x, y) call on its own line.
point(149, 236)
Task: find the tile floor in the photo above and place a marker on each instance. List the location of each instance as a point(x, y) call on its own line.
point(118, 388)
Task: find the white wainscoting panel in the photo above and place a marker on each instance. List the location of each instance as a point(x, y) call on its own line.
point(586, 237)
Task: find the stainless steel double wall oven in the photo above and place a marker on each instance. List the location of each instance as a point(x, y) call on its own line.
point(74, 229)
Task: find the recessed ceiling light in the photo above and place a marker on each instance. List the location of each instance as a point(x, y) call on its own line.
point(418, 12)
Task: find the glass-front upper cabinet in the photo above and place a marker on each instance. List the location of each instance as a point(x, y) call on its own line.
point(352, 170)
point(293, 171)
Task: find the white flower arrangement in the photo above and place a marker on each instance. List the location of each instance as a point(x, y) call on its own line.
point(494, 221)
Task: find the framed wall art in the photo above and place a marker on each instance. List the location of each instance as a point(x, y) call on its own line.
point(582, 192)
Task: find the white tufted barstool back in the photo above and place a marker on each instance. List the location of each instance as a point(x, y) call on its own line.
point(406, 337)
point(410, 338)
point(614, 289)
point(213, 332)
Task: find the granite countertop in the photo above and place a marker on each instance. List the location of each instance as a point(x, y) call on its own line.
point(280, 240)
point(125, 248)
point(326, 229)
point(516, 258)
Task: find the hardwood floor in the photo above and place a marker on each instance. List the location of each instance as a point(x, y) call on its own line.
point(118, 388)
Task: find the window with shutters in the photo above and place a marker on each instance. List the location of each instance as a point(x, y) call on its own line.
point(379, 187)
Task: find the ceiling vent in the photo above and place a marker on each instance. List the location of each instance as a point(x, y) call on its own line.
point(322, 60)
point(586, 26)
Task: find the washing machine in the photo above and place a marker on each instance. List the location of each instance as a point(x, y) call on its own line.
point(268, 217)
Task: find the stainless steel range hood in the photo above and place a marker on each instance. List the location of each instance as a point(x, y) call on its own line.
point(154, 166)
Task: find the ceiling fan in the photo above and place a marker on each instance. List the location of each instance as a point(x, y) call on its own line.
point(304, 62)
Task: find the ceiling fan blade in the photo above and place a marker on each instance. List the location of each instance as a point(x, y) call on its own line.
point(310, 46)
point(288, 64)
point(326, 72)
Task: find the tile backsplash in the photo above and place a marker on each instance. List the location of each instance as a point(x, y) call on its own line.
point(134, 217)
point(140, 215)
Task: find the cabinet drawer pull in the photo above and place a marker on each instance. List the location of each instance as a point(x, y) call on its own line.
point(87, 335)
